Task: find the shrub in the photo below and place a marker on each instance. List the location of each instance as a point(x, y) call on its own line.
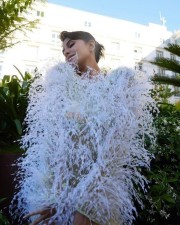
point(13, 104)
point(162, 202)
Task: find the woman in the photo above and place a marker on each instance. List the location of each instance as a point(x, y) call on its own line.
point(81, 49)
point(85, 140)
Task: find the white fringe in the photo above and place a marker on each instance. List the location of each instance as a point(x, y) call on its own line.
point(85, 145)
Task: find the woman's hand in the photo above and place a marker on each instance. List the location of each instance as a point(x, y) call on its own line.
point(43, 213)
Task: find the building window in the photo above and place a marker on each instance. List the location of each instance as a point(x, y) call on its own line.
point(172, 57)
point(87, 24)
point(162, 41)
point(137, 34)
point(40, 13)
point(55, 37)
point(138, 50)
point(159, 54)
point(138, 66)
point(161, 71)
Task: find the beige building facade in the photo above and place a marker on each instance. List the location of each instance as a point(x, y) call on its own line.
point(126, 43)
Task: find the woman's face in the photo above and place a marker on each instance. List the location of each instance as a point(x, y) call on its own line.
point(77, 52)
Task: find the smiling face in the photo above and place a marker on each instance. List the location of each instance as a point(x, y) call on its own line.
point(78, 52)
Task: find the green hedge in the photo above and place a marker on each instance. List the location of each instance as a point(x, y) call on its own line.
point(13, 104)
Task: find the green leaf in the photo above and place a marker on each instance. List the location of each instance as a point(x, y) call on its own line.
point(18, 126)
point(168, 198)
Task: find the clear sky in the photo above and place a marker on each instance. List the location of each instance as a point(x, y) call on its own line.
point(138, 11)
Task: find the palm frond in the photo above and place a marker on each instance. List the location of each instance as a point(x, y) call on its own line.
point(175, 81)
point(173, 48)
point(167, 64)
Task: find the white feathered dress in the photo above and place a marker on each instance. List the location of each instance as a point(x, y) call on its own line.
point(85, 145)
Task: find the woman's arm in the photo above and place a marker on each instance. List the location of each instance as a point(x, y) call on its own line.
point(47, 212)
point(44, 215)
